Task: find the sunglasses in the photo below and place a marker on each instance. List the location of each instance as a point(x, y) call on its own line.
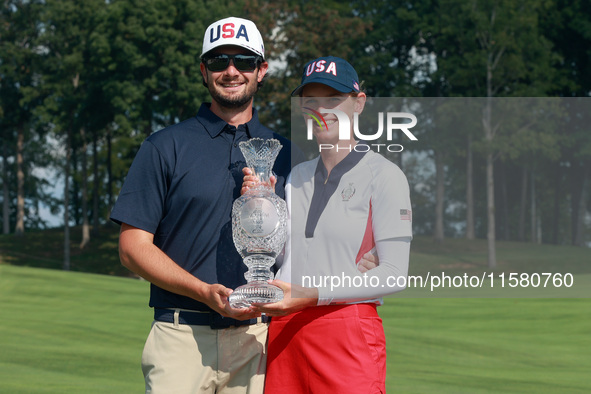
point(218, 63)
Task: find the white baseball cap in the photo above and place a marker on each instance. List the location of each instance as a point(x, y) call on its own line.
point(233, 31)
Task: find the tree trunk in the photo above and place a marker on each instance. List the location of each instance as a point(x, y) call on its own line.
point(5, 192)
point(505, 204)
point(522, 206)
point(95, 191)
point(490, 186)
point(75, 185)
point(533, 209)
point(20, 185)
point(539, 229)
point(84, 185)
point(470, 234)
point(556, 215)
point(439, 196)
point(582, 203)
point(576, 194)
point(66, 265)
point(490, 198)
point(109, 174)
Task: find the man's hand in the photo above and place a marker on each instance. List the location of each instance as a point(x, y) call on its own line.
point(368, 261)
point(216, 297)
point(250, 180)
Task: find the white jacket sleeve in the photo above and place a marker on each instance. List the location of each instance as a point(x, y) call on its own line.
point(389, 277)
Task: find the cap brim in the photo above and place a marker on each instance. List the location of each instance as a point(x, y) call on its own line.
point(324, 81)
point(251, 50)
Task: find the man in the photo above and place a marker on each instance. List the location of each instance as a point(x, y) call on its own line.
point(175, 216)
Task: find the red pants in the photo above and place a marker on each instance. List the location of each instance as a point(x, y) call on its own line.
point(327, 349)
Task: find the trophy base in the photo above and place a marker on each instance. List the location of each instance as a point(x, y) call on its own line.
point(255, 293)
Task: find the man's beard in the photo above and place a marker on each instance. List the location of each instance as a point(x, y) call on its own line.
point(233, 101)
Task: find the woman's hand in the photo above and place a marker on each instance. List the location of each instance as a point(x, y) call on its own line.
point(250, 180)
point(295, 298)
point(368, 262)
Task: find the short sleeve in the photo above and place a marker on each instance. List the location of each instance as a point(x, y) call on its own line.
point(142, 197)
point(390, 200)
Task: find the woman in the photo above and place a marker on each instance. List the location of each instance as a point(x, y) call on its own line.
point(325, 335)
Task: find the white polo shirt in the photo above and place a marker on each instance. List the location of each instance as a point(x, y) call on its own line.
point(335, 220)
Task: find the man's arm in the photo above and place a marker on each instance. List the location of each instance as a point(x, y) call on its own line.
point(139, 254)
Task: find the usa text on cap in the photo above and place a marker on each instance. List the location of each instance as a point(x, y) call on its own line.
point(233, 31)
point(331, 71)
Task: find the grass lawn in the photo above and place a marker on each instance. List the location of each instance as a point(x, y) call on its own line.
point(69, 332)
point(488, 345)
point(79, 332)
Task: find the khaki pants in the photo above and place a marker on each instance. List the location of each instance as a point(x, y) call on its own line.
point(180, 358)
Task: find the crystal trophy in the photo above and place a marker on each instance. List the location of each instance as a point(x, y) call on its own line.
point(259, 226)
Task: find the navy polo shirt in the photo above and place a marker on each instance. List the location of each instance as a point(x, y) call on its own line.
point(181, 186)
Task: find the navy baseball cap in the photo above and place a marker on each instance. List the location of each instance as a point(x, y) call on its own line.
point(331, 71)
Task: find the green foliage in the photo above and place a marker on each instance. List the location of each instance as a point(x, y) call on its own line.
point(149, 51)
point(389, 54)
point(491, 48)
point(296, 32)
point(20, 94)
point(126, 68)
point(19, 29)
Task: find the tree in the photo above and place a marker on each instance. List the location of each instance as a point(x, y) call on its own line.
point(568, 25)
point(18, 89)
point(489, 49)
point(296, 32)
point(67, 29)
point(5, 190)
point(147, 55)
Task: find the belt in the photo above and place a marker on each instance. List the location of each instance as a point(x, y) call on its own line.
point(203, 318)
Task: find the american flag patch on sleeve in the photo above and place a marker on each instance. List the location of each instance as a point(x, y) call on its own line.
point(406, 214)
